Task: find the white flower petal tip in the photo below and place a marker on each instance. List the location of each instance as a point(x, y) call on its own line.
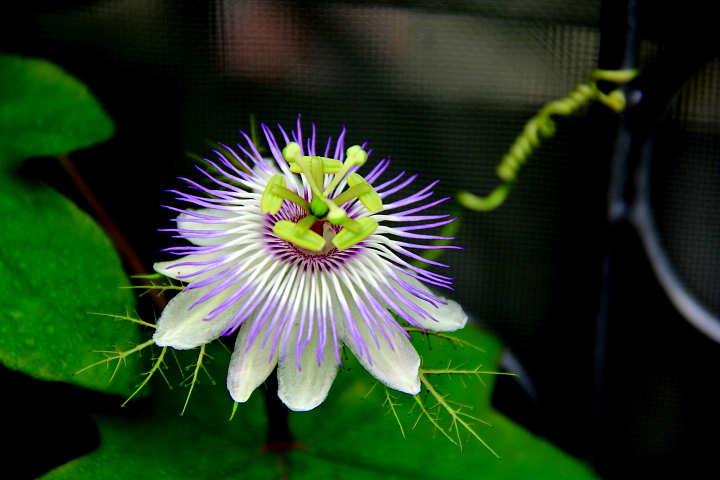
point(447, 315)
point(250, 366)
point(302, 383)
point(303, 390)
point(397, 369)
point(395, 366)
point(187, 269)
point(305, 251)
point(183, 328)
point(164, 268)
point(450, 316)
point(409, 385)
point(205, 233)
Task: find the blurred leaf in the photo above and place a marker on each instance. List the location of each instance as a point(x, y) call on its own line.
point(57, 263)
point(348, 436)
point(45, 112)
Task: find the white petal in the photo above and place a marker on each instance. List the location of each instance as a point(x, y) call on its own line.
point(183, 329)
point(305, 389)
point(249, 367)
point(449, 317)
point(186, 222)
point(186, 273)
point(395, 367)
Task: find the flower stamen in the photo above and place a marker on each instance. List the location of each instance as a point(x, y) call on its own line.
point(321, 207)
point(300, 233)
point(275, 192)
point(361, 189)
point(356, 157)
point(360, 230)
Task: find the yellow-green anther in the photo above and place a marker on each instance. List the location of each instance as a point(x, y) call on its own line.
point(368, 196)
point(356, 156)
point(337, 215)
point(286, 194)
point(346, 238)
point(353, 192)
point(299, 234)
point(270, 201)
point(329, 165)
point(318, 207)
point(352, 225)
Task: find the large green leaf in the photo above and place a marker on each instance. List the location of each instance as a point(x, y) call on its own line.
point(348, 436)
point(45, 112)
point(56, 263)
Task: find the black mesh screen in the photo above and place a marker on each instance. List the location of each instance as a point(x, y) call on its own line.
point(685, 179)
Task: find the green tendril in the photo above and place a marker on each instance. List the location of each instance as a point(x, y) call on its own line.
point(542, 126)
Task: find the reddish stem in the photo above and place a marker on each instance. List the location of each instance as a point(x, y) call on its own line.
point(128, 254)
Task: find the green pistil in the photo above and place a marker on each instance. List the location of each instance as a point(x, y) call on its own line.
point(313, 172)
point(320, 208)
point(356, 157)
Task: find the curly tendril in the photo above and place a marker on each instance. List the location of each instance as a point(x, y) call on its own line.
point(543, 126)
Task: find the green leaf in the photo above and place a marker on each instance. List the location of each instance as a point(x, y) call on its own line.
point(57, 264)
point(350, 436)
point(45, 112)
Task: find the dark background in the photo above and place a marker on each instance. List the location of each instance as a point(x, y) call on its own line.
point(613, 373)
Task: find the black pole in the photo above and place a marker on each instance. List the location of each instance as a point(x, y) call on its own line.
point(618, 50)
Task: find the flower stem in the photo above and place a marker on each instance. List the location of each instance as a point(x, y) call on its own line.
point(125, 249)
point(279, 437)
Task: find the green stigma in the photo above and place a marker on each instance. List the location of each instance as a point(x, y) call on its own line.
point(321, 207)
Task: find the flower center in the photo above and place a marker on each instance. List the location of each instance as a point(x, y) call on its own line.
point(308, 232)
point(318, 227)
point(327, 231)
